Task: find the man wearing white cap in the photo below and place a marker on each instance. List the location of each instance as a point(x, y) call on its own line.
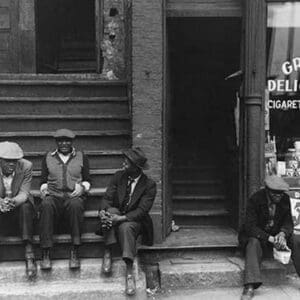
point(64, 182)
point(268, 224)
point(16, 203)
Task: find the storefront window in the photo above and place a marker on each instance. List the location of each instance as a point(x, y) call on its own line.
point(282, 116)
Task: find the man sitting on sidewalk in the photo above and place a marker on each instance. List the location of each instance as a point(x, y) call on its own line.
point(124, 212)
point(268, 224)
point(16, 203)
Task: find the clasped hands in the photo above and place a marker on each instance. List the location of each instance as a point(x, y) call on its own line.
point(7, 204)
point(279, 241)
point(108, 219)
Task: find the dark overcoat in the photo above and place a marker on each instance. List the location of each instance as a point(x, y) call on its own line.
point(140, 204)
point(257, 216)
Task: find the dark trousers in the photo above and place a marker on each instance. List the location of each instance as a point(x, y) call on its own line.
point(126, 233)
point(21, 217)
point(254, 252)
point(296, 252)
point(52, 210)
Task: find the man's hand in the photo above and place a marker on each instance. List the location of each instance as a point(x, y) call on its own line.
point(280, 241)
point(78, 191)
point(271, 239)
point(7, 204)
point(106, 221)
point(117, 219)
point(44, 190)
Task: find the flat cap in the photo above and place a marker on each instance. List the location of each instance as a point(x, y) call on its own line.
point(137, 157)
point(276, 183)
point(10, 150)
point(64, 133)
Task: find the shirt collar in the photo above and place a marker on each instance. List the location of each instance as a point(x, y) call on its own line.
point(73, 153)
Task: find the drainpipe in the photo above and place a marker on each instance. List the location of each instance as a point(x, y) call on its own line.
point(253, 89)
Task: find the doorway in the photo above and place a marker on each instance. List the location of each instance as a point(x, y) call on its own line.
point(203, 120)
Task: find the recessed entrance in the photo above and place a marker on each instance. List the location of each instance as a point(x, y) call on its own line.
point(204, 119)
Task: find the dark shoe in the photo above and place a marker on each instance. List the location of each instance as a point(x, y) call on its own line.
point(74, 262)
point(46, 263)
point(31, 269)
point(130, 285)
point(107, 263)
point(248, 292)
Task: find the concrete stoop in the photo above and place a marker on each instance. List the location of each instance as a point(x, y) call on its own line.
point(61, 283)
point(221, 272)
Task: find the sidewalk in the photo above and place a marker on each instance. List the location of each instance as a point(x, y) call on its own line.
point(289, 291)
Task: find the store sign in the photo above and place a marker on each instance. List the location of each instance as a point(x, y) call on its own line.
point(285, 86)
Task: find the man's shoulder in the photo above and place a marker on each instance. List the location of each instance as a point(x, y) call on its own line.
point(258, 196)
point(25, 164)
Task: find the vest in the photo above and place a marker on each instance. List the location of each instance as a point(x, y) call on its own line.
point(63, 177)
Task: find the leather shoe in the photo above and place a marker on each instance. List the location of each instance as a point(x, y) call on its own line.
point(74, 262)
point(130, 285)
point(107, 263)
point(31, 269)
point(46, 263)
point(248, 292)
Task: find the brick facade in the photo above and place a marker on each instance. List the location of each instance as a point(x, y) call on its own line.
point(147, 91)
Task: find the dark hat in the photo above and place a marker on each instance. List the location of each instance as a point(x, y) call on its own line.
point(10, 150)
point(276, 183)
point(137, 157)
point(64, 133)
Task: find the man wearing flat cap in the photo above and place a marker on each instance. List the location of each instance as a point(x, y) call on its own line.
point(268, 224)
point(124, 212)
point(16, 203)
point(64, 182)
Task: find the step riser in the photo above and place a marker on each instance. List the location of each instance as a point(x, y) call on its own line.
point(191, 221)
point(90, 269)
point(198, 204)
point(93, 143)
point(54, 124)
point(96, 162)
point(63, 90)
point(197, 189)
point(59, 251)
point(63, 107)
point(204, 174)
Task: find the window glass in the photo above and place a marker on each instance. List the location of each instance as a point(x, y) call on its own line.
point(282, 113)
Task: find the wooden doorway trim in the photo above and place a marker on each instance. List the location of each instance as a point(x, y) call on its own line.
point(204, 8)
point(98, 32)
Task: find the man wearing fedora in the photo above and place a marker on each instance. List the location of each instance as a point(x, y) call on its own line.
point(124, 212)
point(16, 203)
point(64, 182)
point(268, 224)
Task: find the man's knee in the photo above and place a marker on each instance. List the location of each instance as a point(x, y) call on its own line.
point(76, 204)
point(126, 228)
point(26, 207)
point(47, 204)
point(253, 243)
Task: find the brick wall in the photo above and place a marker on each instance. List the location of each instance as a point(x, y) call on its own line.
point(147, 91)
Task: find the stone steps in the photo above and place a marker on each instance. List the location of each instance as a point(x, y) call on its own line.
point(61, 283)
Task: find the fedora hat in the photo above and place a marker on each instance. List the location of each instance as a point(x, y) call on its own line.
point(137, 157)
point(67, 133)
point(10, 150)
point(276, 183)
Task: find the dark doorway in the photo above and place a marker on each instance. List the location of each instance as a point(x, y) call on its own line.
point(66, 40)
point(204, 119)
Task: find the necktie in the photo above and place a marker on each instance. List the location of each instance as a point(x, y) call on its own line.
point(127, 197)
